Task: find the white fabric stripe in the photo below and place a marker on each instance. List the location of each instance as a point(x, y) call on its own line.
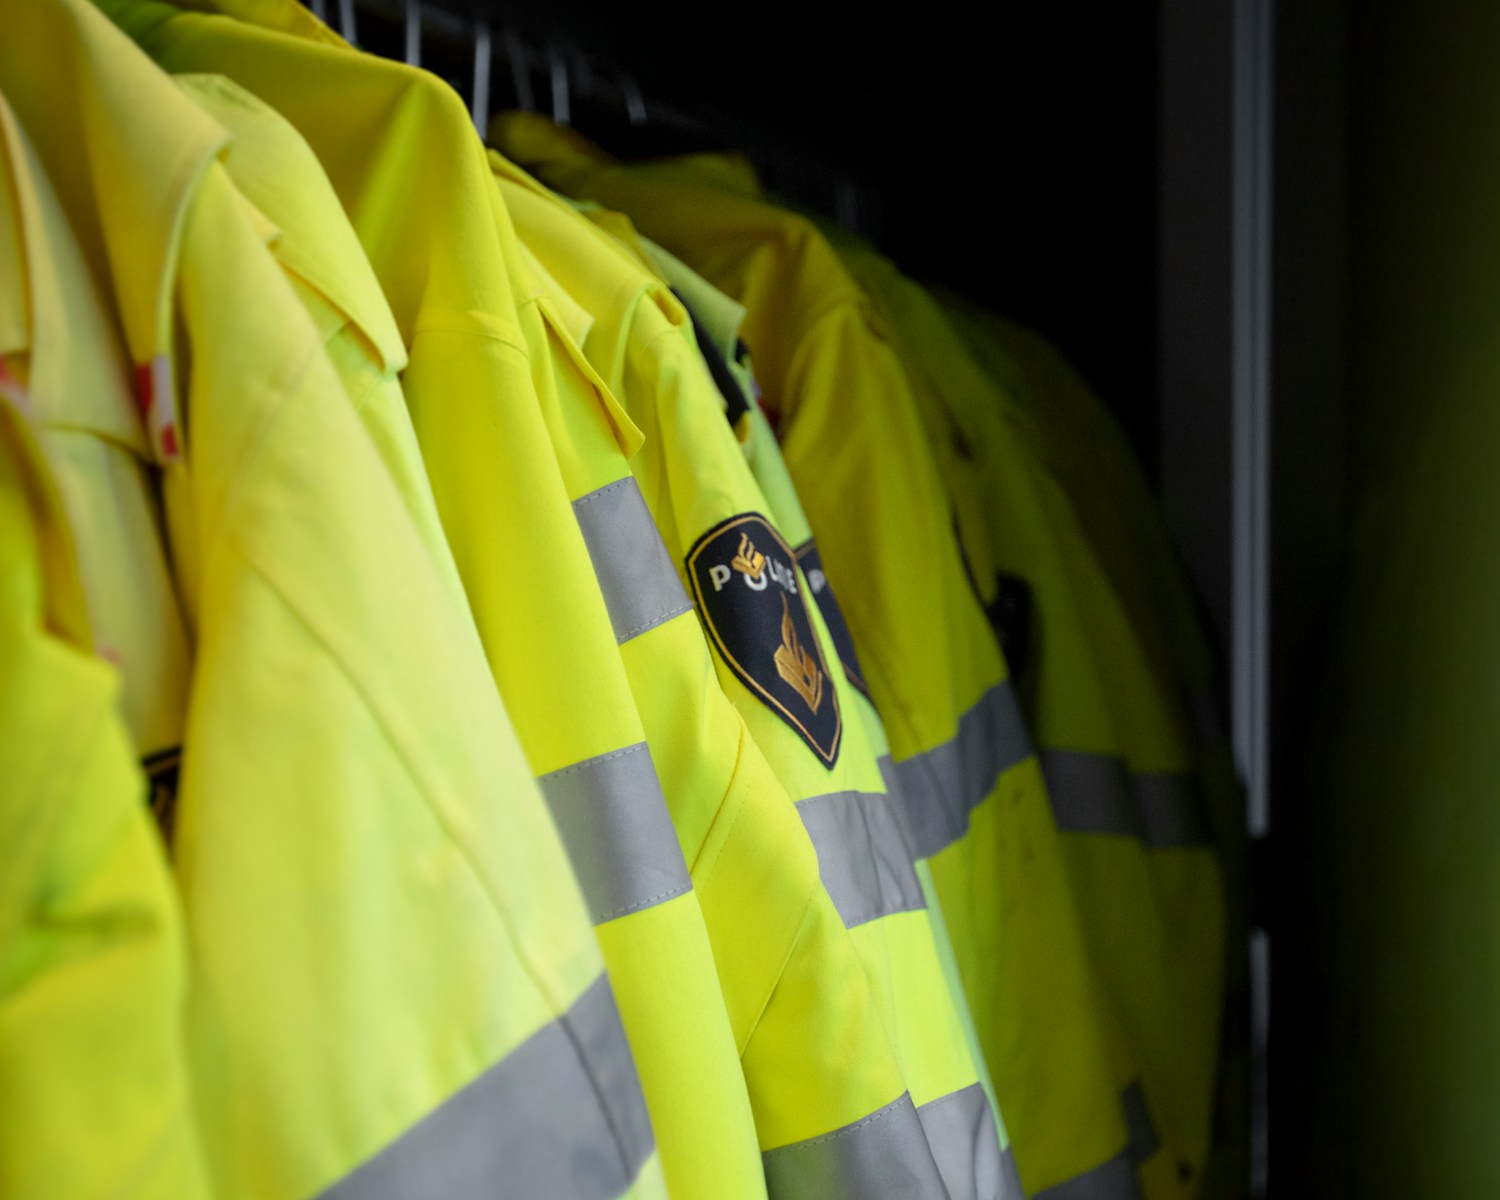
point(561, 1115)
point(614, 821)
point(961, 1131)
point(641, 586)
point(940, 788)
point(884, 1156)
point(863, 855)
point(1097, 793)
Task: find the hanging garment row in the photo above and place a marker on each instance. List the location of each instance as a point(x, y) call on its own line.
point(410, 520)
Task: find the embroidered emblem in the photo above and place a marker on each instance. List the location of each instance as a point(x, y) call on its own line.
point(795, 664)
point(749, 595)
point(162, 770)
point(811, 562)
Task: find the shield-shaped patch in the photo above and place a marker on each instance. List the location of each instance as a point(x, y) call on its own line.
point(744, 578)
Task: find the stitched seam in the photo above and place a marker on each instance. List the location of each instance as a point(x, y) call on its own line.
point(598, 493)
point(589, 763)
point(653, 622)
point(879, 1115)
point(646, 902)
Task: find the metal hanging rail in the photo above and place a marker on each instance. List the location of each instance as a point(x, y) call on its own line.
point(575, 81)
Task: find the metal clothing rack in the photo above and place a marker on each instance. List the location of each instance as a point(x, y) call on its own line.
point(483, 60)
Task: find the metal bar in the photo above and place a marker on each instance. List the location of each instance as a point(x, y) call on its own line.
point(414, 32)
point(481, 100)
point(1254, 66)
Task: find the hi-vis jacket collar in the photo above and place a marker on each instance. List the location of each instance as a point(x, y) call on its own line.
point(289, 181)
point(79, 93)
point(533, 138)
point(80, 391)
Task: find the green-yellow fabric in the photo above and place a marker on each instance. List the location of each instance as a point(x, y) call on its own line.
point(802, 1077)
point(480, 377)
point(723, 318)
point(853, 441)
point(1083, 446)
point(94, 1077)
point(409, 823)
point(1154, 915)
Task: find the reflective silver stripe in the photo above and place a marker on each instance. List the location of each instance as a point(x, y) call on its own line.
point(1172, 811)
point(561, 1115)
point(1113, 1180)
point(940, 788)
point(641, 587)
point(863, 855)
point(961, 1131)
point(884, 1156)
point(614, 822)
point(1096, 793)
point(1090, 793)
point(1010, 1177)
point(1144, 1141)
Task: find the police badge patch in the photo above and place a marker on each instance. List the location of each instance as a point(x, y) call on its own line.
point(811, 562)
point(745, 581)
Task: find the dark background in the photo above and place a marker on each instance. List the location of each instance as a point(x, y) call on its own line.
point(1017, 163)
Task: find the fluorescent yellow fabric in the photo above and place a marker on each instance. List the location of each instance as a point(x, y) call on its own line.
point(93, 1060)
point(852, 439)
point(482, 379)
point(722, 319)
point(804, 1074)
point(1152, 899)
point(379, 909)
point(91, 435)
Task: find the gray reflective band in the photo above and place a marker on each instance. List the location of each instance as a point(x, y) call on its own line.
point(614, 822)
point(1096, 793)
point(863, 855)
point(1144, 1142)
point(640, 585)
point(561, 1115)
point(1113, 1180)
point(1010, 1177)
point(940, 788)
point(961, 1131)
point(884, 1156)
point(1172, 811)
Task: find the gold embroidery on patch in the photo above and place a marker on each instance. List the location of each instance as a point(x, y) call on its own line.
point(748, 560)
point(796, 665)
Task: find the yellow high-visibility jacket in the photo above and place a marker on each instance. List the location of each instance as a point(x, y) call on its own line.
point(1115, 736)
point(1081, 444)
point(394, 983)
point(805, 1087)
point(717, 323)
point(605, 798)
point(94, 1077)
point(974, 795)
point(699, 488)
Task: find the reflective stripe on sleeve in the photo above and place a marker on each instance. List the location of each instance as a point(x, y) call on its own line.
point(961, 1131)
point(1097, 793)
point(561, 1115)
point(641, 587)
point(1010, 1177)
point(1113, 1180)
point(863, 856)
point(884, 1156)
point(941, 787)
point(614, 823)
